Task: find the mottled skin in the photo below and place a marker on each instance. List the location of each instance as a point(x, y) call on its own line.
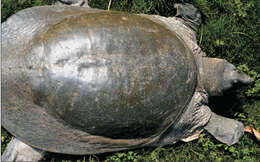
point(122, 81)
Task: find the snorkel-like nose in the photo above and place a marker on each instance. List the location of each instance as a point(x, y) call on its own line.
point(241, 77)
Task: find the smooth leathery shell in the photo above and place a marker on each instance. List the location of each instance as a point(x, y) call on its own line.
point(111, 74)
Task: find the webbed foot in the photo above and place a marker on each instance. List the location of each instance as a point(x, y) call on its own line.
point(81, 3)
point(189, 14)
point(19, 151)
point(224, 129)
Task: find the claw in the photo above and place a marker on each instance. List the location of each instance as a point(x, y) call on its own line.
point(251, 130)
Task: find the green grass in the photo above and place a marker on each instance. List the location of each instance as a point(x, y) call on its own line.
point(230, 30)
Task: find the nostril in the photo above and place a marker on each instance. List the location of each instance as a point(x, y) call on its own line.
point(250, 80)
point(244, 78)
point(247, 80)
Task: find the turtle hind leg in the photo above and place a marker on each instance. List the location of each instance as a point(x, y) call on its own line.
point(19, 151)
point(224, 129)
point(79, 3)
point(190, 14)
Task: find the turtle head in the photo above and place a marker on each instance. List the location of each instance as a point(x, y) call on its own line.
point(190, 15)
point(220, 75)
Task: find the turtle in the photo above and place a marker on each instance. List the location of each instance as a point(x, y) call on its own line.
point(78, 80)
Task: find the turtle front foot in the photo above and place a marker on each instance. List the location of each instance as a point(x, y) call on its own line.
point(224, 129)
point(190, 14)
point(81, 3)
point(19, 151)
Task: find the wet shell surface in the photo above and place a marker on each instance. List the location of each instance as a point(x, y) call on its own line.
point(109, 74)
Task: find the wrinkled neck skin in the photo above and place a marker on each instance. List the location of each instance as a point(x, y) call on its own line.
point(212, 73)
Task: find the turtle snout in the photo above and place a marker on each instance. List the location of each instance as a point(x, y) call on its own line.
point(243, 78)
point(246, 79)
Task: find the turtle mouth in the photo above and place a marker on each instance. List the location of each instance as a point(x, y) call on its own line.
point(246, 80)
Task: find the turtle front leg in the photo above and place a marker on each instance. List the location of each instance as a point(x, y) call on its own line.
point(190, 124)
point(81, 3)
point(19, 151)
point(225, 130)
point(190, 14)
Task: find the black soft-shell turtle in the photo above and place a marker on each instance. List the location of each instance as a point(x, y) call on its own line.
point(77, 80)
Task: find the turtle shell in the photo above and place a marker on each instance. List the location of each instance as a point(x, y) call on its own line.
point(109, 74)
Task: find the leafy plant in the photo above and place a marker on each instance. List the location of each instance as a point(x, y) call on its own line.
point(254, 90)
point(9, 7)
point(5, 139)
point(118, 157)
